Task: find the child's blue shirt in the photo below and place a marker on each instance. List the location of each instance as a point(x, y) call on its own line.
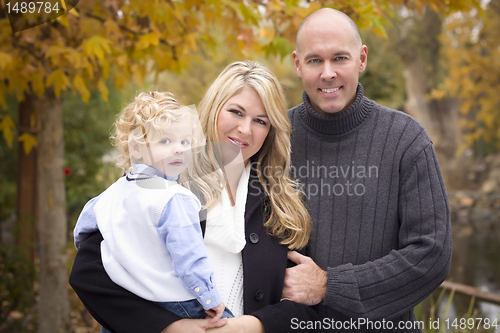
point(179, 228)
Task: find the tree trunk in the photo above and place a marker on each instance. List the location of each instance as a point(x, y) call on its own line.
point(418, 45)
point(439, 117)
point(27, 205)
point(51, 224)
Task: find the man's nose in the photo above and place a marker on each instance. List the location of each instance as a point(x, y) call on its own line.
point(329, 71)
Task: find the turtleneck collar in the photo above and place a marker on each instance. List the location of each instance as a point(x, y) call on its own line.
point(337, 123)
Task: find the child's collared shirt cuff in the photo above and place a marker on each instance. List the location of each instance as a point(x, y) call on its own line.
point(207, 298)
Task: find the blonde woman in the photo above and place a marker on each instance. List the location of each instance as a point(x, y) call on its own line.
point(254, 214)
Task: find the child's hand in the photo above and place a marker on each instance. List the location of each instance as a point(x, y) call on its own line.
point(216, 312)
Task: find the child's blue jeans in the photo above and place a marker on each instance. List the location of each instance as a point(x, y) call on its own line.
point(191, 309)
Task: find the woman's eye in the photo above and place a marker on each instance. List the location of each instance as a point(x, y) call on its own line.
point(260, 121)
point(236, 112)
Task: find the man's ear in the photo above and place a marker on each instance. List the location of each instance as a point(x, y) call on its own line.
point(296, 63)
point(363, 59)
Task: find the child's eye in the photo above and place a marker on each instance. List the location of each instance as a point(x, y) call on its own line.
point(165, 141)
point(185, 142)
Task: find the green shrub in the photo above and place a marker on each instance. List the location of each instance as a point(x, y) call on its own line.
point(17, 292)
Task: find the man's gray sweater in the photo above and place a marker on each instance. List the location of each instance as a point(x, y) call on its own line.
point(379, 209)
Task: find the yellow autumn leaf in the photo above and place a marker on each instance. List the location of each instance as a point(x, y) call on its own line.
point(19, 84)
point(174, 40)
point(29, 141)
point(177, 13)
point(80, 85)
point(2, 101)
point(232, 5)
point(249, 15)
point(6, 126)
point(122, 60)
point(55, 51)
point(101, 85)
point(5, 60)
point(96, 46)
point(275, 6)
point(437, 94)
point(59, 80)
point(104, 65)
point(138, 75)
point(64, 21)
point(74, 12)
point(2, 96)
point(191, 41)
point(151, 39)
point(212, 3)
point(112, 28)
point(120, 80)
point(64, 6)
point(37, 84)
point(82, 62)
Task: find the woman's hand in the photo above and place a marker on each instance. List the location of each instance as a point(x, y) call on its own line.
point(243, 324)
point(193, 325)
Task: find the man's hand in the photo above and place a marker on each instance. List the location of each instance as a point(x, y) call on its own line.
point(193, 325)
point(304, 283)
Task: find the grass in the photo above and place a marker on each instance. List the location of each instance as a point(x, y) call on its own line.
point(436, 319)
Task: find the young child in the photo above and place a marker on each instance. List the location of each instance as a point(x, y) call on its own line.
point(153, 243)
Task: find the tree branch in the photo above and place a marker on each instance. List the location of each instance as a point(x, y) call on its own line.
point(136, 33)
point(259, 3)
point(28, 48)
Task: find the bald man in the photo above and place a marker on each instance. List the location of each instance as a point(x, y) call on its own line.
point(382, 237)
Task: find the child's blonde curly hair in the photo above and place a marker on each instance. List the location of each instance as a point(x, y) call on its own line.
point(144, 120)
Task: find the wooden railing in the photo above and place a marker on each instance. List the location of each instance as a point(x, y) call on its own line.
point(471, 291)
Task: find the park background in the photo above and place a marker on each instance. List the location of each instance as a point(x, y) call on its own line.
point(63, 83)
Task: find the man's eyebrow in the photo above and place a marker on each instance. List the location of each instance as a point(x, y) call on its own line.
point(242, 108)
point(312, 55)
point(342, 53)
point(336, 54)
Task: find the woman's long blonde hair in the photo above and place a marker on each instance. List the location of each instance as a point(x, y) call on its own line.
point(288, 220)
